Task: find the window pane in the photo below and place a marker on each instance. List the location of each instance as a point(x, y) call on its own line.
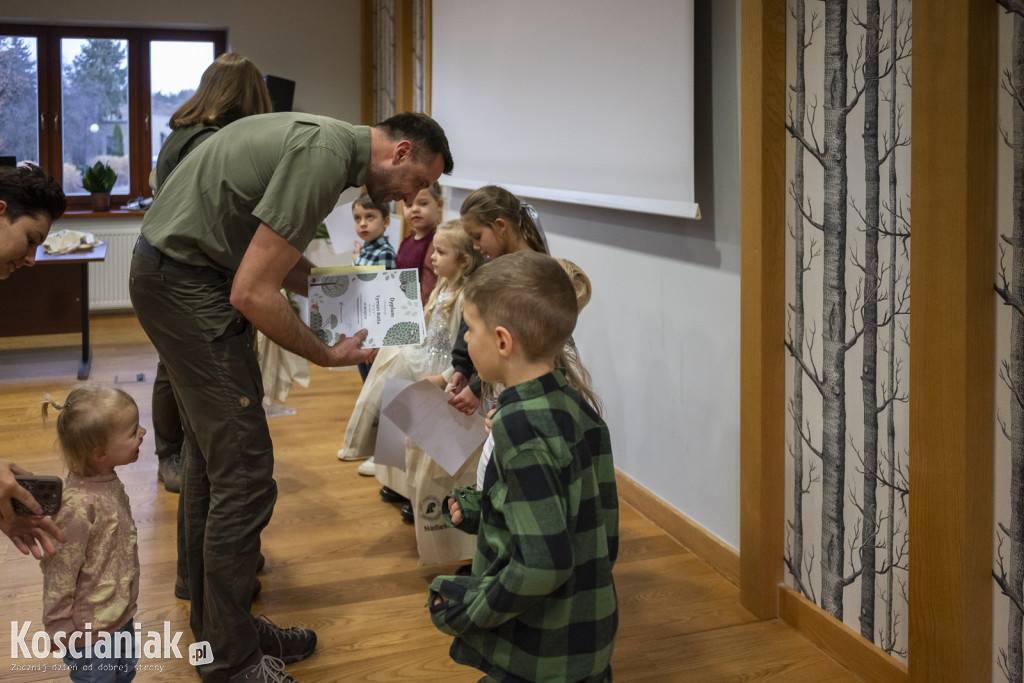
point(94, 96)
point(19, 98)
point(175, 69)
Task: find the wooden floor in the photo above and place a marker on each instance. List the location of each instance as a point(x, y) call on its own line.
point(341, 561)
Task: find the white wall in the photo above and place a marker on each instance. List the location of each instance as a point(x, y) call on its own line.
point(314, 43)
point(661, 334)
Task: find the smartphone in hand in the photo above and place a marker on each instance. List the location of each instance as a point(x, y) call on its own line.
point(46, 490)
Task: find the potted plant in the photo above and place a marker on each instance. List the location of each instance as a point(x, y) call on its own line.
point(99, 179)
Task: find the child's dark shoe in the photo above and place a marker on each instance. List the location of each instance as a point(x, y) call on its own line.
point(392, 496)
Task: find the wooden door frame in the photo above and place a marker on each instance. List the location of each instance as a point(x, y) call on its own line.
point(952, 333)
point(762, 304)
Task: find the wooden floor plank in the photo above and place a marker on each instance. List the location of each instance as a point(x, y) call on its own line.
point(341, 561)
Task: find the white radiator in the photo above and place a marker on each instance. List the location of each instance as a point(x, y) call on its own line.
point(108, 280)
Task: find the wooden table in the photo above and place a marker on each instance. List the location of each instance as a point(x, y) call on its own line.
point(51, 298)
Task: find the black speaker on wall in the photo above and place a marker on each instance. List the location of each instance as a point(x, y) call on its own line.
point(281, 92)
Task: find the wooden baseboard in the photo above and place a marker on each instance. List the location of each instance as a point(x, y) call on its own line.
point(718, 555)
point(837, 640)
point(832, 637)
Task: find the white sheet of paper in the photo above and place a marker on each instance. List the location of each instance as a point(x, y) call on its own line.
point(448, 436)
point(390, 448)
point(341, 228)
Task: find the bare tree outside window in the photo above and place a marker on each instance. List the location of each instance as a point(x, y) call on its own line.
point(94, 96)
point(19, 98)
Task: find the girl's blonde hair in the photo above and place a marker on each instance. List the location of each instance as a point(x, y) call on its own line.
point(84, 422)
point(489, 203)
point(465, 253)
point(580, 282)
point(568, 357)
point(231, 88)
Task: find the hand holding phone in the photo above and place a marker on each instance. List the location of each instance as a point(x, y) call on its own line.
point(31, 534)
point(47, 491)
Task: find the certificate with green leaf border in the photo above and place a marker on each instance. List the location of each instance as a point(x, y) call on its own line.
point(343, 301)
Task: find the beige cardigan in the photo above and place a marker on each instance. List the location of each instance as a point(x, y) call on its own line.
point(94, 577)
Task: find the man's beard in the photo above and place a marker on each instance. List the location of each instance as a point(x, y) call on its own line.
point(377, 185)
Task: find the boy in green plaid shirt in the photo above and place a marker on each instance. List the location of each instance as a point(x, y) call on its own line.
point(539, 604)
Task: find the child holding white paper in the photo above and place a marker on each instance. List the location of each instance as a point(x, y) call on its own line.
point(499, 223)
point(429, 483)
point(454, 260)
point(538, 603)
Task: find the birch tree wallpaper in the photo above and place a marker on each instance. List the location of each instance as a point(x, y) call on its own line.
point(1008, 540)
point(848, 305)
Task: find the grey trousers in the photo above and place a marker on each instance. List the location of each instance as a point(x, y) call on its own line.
point(228, 489)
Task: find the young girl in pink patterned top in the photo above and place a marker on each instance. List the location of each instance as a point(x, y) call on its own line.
point(90, 587)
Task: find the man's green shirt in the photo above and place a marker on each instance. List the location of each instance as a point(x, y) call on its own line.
point(286, 170)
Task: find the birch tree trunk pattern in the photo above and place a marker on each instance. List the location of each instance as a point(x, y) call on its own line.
point(385, 58)
point(1008, 569)
point(384, 92)
point(848, 311)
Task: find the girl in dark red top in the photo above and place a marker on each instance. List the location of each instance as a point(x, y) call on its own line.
point(415, 251)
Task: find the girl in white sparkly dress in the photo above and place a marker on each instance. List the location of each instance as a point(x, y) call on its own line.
point(454, 260)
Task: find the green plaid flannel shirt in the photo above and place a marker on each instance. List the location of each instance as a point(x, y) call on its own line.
point(540, 603)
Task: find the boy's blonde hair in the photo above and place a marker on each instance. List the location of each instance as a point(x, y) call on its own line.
point(464, 252)
point(530, 294)
point(231, 88)
point(84, 422)
point(489, 203)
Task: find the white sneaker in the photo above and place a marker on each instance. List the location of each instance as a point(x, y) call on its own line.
point(349, 454)
point(367, 469)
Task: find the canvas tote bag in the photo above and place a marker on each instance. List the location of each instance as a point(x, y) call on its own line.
point(429, 485)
